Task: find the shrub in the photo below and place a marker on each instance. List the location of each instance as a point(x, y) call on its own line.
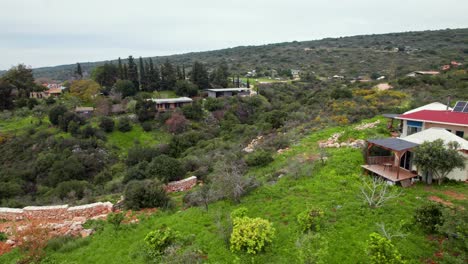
point(312, 248)
point(107, 124)
point(166, 168)
point(177, 123)
point(251, 234)
point(159, 240)
point(382, 251)
point(239, 212)
point(310, 220)
point(124, 125)
point(96, 224)
point(145, 194)
point(429, 217)
point(139, 153)
point(3, 237)
point(147, 126)
point(55, 113)
point(259, 158)
point(115, 219)
point(77, 188)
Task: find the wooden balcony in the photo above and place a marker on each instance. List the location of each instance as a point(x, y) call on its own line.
point(391, 173)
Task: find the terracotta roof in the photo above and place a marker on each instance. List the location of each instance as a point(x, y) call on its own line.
point(440, 117)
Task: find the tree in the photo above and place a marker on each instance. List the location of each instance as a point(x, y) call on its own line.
point(199, 75)
point(78, 71)
point(154, 79)
point(142, 77)
point(166, 168)
point(438, 160)
point(133, 72)
point(125, 88)
point(145, 110)
point(120, 69)
point(124, 125)
point(145, 194)
point(177, 123)
point(86, 90)
point(6, 98)
point(168, 76)
point(107, 124)
point(106, 75)
point(229, 180)
point(186, 88)
point(382, 251)
point(251, 234)
point(21, 77)
point(376, 192)
point(220, 76)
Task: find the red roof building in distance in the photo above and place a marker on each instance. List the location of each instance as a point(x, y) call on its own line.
point(455, 122)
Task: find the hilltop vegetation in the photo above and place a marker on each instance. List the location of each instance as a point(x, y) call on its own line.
point(391, 55)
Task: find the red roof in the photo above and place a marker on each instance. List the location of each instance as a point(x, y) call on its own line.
point(442, 117)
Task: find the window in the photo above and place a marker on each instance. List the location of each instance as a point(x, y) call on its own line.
point(460, 133)
point(449, 130)
point(414, 127)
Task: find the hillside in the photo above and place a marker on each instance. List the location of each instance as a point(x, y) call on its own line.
point(392, 55)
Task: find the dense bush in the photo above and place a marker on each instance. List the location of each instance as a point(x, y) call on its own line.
point(72, 189)
point(381, 251)
point(107, 124)
point(429, 217)
point(145, 194)
point(147, 126)
point(259, 158)
point(124, 125)
point(158, 240)
point(251, 234)
point(115, 219)
point(310, 220)
point(55, 113)
point(139, 153)
point(3, 237)
point(166, 168)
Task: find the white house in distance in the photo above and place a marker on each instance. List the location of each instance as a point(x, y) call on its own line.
point(225, 92)
point(171, 103)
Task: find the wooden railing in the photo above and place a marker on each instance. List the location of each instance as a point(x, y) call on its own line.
point(379, 159)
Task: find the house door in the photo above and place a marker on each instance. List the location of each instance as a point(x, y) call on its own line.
point(405, 161)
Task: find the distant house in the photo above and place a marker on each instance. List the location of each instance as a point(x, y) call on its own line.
point(445, 67)
point(117, 109)
point(225, 92)
point(171, 103)
point(84, 111)
point(420, 73)
point(454, 121)
point(295, 74)
point(38, 95)
point(55, 92)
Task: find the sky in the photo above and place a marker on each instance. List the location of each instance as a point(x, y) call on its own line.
point(53, 32)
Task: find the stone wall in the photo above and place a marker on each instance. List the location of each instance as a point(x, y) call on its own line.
point(183, 185)
point(57, 212)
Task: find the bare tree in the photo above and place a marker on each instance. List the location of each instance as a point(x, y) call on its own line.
point(388, 233)
point(230, 181)
point(376, 192)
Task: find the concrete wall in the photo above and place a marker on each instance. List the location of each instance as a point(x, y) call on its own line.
point(453, 129)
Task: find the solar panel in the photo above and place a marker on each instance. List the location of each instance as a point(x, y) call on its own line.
point(460, 106)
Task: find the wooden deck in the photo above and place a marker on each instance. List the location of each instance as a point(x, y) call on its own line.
point(389, 173)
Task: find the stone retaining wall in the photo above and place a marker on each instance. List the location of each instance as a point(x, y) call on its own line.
point(183, 185)
point(57, 212)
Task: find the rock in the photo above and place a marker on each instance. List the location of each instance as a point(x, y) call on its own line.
point(10, 242)
point(86, 232)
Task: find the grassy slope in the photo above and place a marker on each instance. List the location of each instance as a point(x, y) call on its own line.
point(334, 187)
point(125, 140)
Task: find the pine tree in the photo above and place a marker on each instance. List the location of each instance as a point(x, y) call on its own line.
point(121, 70)
point(132, 71)
point(154, 80)
point(183, 71)
point(125, 72)
point(179, 73)
point(199, 75)
point(220, 76)
point(78, 71)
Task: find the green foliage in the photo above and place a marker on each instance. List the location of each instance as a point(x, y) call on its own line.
point(186, 88)
point(106, 75)
point(55, 113)
point(213, 104)
point(455, 228)
point(193, 111)
point(312, 248)
point(166, 168)
point(107, 124)
point(199, 75)
point(73, 189)
point(429, 217)
point(381, 251)
point(259, 158)
point(115, 219)
point(436, 158)
point(251, 234)
point(145, 194)
point(124, 125)
point(310, 220)
point(341, 93)
point(96, 224)
point(239, 212)
point(3, 237)
point(125, 88)
point(158, 240)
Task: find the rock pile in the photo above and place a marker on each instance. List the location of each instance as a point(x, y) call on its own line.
point(182, 185)
point(367, 125)
point(333, 142)
point(251, 146)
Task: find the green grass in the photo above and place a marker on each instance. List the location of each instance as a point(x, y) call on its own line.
point(165, 94)
point(333, 186)
point(125, 140)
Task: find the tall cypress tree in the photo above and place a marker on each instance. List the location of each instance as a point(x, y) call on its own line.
point(142, 75)
point(133, 71)
point(121, 70)
point(199, 75)
point(220, 76)
point(168, 76)
point(154, 80)
point(78, 71)
point(183, 71)
point(125, 72)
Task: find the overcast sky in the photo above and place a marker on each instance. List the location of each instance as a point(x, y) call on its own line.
point(52, 32)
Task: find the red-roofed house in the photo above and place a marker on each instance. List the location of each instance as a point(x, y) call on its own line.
point(455, 122)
